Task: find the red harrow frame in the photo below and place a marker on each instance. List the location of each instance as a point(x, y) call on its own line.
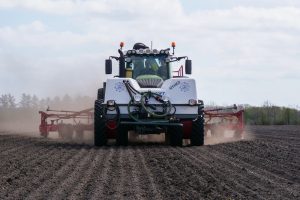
point(66, 130)
point(217, 121)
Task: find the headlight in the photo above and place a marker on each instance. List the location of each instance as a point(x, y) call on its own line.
point(155, 51)
point(192, 102)
point(111, 102)
point(129, 52)
point(140, 51)
point(165, 98)
point(137, 98)
point(148, 51)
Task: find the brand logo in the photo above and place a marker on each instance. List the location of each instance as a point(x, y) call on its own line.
point(174, 85)
point(119, 87)
point(184, 87)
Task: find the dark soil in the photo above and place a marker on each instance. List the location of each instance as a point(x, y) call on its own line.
point(267, 166)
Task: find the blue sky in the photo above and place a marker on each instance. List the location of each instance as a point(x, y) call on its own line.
point(242, 51)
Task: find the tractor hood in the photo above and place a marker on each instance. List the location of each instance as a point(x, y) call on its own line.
point(177, 90)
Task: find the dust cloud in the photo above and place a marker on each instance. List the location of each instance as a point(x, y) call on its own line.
point(226, 136)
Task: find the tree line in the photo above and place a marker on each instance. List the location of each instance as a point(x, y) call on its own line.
point(25, 110)
point(269, 114)
point(27, 101)
point(29, 105)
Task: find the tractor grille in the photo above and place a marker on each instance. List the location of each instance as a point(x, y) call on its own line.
point(150, 82)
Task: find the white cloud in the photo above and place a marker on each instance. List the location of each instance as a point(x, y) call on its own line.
point(242, 46)
point(70, 7)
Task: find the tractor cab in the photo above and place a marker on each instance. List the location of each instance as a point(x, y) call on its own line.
point(149, 67)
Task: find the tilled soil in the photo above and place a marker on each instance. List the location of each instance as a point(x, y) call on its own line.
point(267, 166)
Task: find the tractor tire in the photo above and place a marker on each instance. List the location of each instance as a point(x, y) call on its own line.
point(100, 94)
point(197, 134)
point(100, 135)
point(176, 135)
point(122, 135)
point(167, 138)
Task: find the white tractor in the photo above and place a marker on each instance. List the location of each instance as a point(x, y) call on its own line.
point(146, 98)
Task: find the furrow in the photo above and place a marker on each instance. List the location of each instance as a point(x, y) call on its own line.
point(103, 179)
point(47, 186)
point(264, 180)
point(75, 174)
point(104, 156)
point(221, 175)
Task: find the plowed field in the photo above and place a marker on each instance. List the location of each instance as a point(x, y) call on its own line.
point(267, 166)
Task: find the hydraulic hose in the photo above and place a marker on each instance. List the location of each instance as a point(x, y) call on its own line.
point(138, 120)
point(167, 106)
point(167, 103)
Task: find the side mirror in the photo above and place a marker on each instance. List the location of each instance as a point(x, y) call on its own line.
point(108, 66)
point(188, 66)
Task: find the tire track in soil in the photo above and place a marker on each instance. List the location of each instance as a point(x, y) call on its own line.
point(65, 188)
point(126, 188)
point(98, 172)
point(112, 185)
point(120, 178)
point(80, 189)
point(266, 180)
point(175, 174)
point(171, 191)
point(146, 173)
point(104, 184)
point(58, 175)
point(135, 180)
point(221, 175)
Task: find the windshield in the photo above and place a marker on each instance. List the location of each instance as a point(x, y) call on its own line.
point(149, 65)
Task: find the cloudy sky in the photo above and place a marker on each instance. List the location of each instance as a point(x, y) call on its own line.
point(243, 51)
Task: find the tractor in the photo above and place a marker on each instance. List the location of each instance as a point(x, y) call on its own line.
point(147, 98)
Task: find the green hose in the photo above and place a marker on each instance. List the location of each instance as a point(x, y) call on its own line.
point(129, 112)
point(167, 112)
point(150, 94)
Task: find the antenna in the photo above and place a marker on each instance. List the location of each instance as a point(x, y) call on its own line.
point(151, 45)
